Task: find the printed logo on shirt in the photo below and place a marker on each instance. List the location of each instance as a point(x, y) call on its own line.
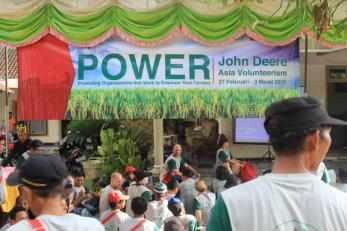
point(295, 226)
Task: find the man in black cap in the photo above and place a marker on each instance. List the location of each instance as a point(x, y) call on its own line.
point(289, 198)
point(139, 189)
point(42, 177)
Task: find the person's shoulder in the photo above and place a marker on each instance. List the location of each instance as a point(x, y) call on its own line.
point(22, 225)
point(85, 221)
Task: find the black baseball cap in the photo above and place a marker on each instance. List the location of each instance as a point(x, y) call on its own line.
point(295, 115)
point(40, 172)
point(140, 175)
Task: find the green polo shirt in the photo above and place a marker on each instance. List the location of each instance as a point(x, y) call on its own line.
point(219, 220)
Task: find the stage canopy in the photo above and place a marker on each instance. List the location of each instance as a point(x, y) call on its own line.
point(152, 22)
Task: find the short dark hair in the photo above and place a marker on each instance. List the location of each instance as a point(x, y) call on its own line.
point(187, 173)
point(291, 143)
point(172, 184)
point(231, 181)
point(79, 173)
point(34, 144)
point(15, 210)
point(139, 205)
point(221, 140)
point(113, 205)
point(46, 193)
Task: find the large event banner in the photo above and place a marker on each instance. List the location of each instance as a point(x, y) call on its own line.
point(181, 79)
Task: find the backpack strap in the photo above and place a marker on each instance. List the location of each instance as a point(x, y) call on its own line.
point(136, 227)
point(37, 225)
point(108, 218)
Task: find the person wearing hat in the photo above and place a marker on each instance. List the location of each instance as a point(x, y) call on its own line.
point(188, 221)
point(187, 190)
point(157, 210)
point(115, 185)
point(129, 178)
point(139, 189)
point(138, 223)
point(289, 198)
point(21, 146)
point(113, 217)
point(42, 177)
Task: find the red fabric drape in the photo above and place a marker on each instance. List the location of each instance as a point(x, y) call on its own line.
point(45, 77)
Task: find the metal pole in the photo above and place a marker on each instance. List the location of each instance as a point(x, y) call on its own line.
point(6, 104)
point(306, 56)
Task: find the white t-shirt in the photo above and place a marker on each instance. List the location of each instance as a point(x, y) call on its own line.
point(188, 193)
point(115, 221)
point(280, 202)
point(129, 224)
point(104, 204)
point(157, 212)
point(68, 222)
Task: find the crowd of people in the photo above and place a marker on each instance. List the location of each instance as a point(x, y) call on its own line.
point(292, 196)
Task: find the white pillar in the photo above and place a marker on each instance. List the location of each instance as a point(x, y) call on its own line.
point(158, 136)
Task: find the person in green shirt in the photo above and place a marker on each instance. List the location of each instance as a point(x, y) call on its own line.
point(175, 162)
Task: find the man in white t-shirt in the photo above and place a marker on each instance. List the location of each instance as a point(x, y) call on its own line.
point(116, 184)
point(113, 217)
point(42, 177)
point(289, 198)
point(157, 210)
point(138, 223)
point(187, 190)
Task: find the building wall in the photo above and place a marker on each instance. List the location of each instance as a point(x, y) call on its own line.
point(53, 132)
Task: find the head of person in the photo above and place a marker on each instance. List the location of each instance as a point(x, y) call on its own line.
point(173, 225)
point(173, 186)
point(200, 186)
point(42, 179)
point(175, 206)
point(160, 190)
point(116, 180)
point(10, 114)
point(22, 134)
point(223, 142)
point(129, 173)
point(117, 200)
point(177, 150)
point(231, 181)
point(36, 147)
point(342, 174)
point(141, 177)
point(18, 214)
point(299, 126)
point(79, 178)
point(139, 206)
point(186, 174)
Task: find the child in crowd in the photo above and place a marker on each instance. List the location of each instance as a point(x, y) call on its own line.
point(113, 217)
point(186, 220)
point(17, 214)
point(138, 223)
point(203, 203)
point(129, 178)
point(157, 210)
